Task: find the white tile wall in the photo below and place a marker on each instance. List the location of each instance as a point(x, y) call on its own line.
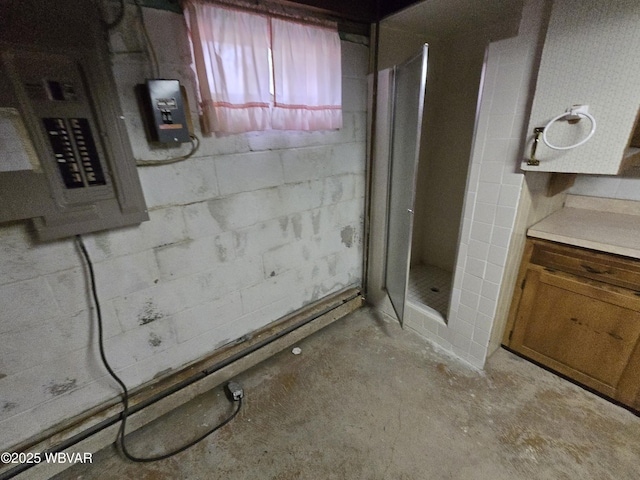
point(250, 229)
point(492, 195)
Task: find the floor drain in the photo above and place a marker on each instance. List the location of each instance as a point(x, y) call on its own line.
point(435, 289)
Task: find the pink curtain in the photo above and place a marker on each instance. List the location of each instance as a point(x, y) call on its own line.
point(307, 77)
point(232, 51)
point(231, 54)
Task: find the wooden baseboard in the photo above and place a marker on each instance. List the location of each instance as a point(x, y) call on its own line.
point(102, 422)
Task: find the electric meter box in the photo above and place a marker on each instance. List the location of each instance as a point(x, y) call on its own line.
point(65, 157)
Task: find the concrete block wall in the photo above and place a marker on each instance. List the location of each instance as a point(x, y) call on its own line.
point(253, 227)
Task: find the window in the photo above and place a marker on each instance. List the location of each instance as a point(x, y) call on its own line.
point(261, 73)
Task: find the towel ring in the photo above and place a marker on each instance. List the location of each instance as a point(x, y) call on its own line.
point(573, 114)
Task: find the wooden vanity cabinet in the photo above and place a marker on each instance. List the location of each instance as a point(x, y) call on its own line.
point(577, 311)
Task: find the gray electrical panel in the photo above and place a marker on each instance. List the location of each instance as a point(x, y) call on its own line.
point(65, 157)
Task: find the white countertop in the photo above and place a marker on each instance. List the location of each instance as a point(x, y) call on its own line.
point(607, 225)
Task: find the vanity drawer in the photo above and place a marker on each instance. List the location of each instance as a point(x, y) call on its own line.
point(603, 267)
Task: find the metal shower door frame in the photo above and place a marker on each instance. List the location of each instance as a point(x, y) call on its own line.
point(398, 254)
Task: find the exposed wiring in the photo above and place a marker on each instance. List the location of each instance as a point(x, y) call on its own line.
point(195, 141)
point(235, 390)
point(147, 39)
point(195, 144)
point(116, 21)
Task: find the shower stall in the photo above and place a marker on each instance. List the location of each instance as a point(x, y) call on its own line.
point(432, 124)
point(428, 105)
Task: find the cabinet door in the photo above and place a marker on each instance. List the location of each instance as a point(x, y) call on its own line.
point(582, 329)
point(590, 56)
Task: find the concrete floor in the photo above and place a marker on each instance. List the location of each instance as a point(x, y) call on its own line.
point(367, 400)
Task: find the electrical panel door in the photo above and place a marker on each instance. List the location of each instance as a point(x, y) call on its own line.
point(67, 162)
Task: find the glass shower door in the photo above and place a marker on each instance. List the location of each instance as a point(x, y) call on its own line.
point(410, 79)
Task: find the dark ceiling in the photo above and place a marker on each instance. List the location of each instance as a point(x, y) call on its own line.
point(362, 11)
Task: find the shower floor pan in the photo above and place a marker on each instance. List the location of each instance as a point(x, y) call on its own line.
point(430, 286)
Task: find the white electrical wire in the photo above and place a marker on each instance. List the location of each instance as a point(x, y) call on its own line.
point(581, 142)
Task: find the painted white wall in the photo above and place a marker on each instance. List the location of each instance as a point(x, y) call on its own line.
point(397, 46)
point(607, 186)
point(253, 227)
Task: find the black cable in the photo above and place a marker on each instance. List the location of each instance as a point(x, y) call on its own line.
point(147, 40)
point(195, 144)
point(125, 391)
point(116, 21)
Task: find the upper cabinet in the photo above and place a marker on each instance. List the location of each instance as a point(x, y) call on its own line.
point(590, 58)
